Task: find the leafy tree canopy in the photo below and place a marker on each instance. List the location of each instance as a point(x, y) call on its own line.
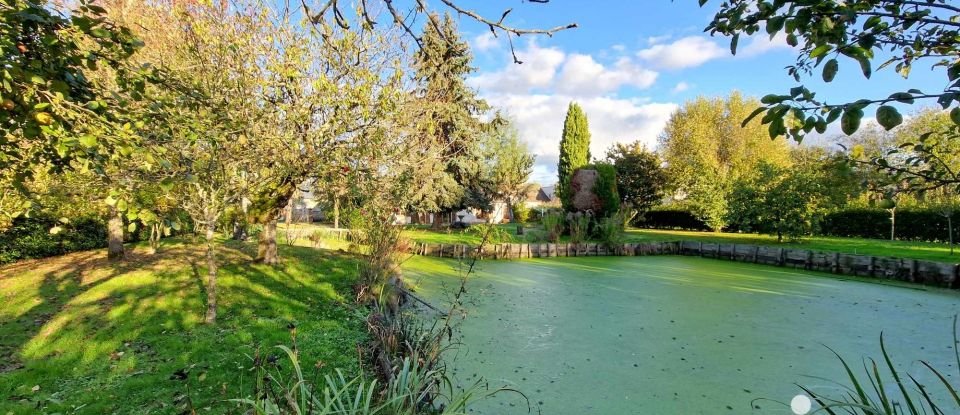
point(641, 180)
point(873, 34)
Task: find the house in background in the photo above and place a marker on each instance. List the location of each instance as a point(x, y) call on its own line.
point(545, 197)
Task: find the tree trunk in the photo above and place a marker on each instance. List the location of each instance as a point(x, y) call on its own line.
point(893, 224)
point(211, 276)
point(115, 235)
point(155, 231)
point(267, 247)
point(288, 213)
point(336, 212)
point(950, 231)
point(437, 220)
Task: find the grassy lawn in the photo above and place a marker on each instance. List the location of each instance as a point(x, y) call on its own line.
point(79, 334)
point(877, 247)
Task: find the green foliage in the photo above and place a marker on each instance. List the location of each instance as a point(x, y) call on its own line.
point(912, 224)
point(58, 110)
point(579, 224)
point(782, 202)
point(610, 230)
point(707, 149)
point(606, 189)
point(670, 217)
point(446, 115)
point(521, 213)
point(926, 154)
point(861, 31)
point(42, 236)
point(641, 181)
point(574, 151)
point(868, 393)
point(552, 223)
point(508, 162)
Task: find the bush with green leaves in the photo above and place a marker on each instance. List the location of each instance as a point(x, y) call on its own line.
point(521, 213)
point(667, 217)
point(579, 224)
point(43, 236)
point(911, 224)
point(552, 225)
point(610, 231)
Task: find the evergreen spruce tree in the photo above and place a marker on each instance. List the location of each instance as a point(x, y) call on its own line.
point(448, 119)
point(574, 151)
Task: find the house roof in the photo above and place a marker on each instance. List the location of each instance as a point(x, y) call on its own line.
point(547, 194)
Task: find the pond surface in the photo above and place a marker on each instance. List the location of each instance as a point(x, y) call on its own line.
point(677, 335)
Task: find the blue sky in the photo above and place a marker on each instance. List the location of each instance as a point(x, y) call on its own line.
point(630, 64)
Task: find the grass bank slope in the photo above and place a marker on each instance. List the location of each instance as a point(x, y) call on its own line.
point(79, 334)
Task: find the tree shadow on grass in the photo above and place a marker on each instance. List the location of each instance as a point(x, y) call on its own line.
point(109, 336)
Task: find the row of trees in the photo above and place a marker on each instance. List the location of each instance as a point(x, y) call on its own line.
point(730, 175)
point(149, 114)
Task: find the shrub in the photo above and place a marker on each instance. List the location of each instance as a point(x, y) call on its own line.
point(913, 224)
point(31, 237)
point(610, 231)
point(553, 226)
point(606, 189)
point(521, 213)
point(579, 224)
point(670, 218)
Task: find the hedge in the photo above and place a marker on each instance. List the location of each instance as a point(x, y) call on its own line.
point(676, 219)
point(31, 238)
point(911, 225)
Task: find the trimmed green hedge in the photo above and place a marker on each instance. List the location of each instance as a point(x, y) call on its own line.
point(677, 219)
point(31, 238)
point(911, 225)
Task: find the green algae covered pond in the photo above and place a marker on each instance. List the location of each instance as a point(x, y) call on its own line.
point(676, 335)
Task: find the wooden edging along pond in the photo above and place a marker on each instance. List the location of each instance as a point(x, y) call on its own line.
point(901, 269)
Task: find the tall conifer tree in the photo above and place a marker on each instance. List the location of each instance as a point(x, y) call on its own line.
point(574, 150)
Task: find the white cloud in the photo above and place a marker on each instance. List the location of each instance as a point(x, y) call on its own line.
point(536, 95)
point(680, 87)
point(538, 70)
point(485, 42)
point(682, 53)
point(761, 44)
point(573, 74)
point(583, 76)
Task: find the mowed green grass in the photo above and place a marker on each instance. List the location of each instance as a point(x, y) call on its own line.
point(877, 247)
point(79, 334)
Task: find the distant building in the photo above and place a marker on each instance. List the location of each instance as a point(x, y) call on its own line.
point(546, 197)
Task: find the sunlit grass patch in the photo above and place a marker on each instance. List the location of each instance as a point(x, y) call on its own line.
point(80, 332)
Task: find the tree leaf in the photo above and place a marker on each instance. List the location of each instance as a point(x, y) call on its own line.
point(850, 121)
point(830, 70)
point(820, 51)
point(955, 115)
point(752, 116)
point(888, 117)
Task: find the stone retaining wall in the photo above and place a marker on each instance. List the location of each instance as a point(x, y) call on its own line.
point(911, 270)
